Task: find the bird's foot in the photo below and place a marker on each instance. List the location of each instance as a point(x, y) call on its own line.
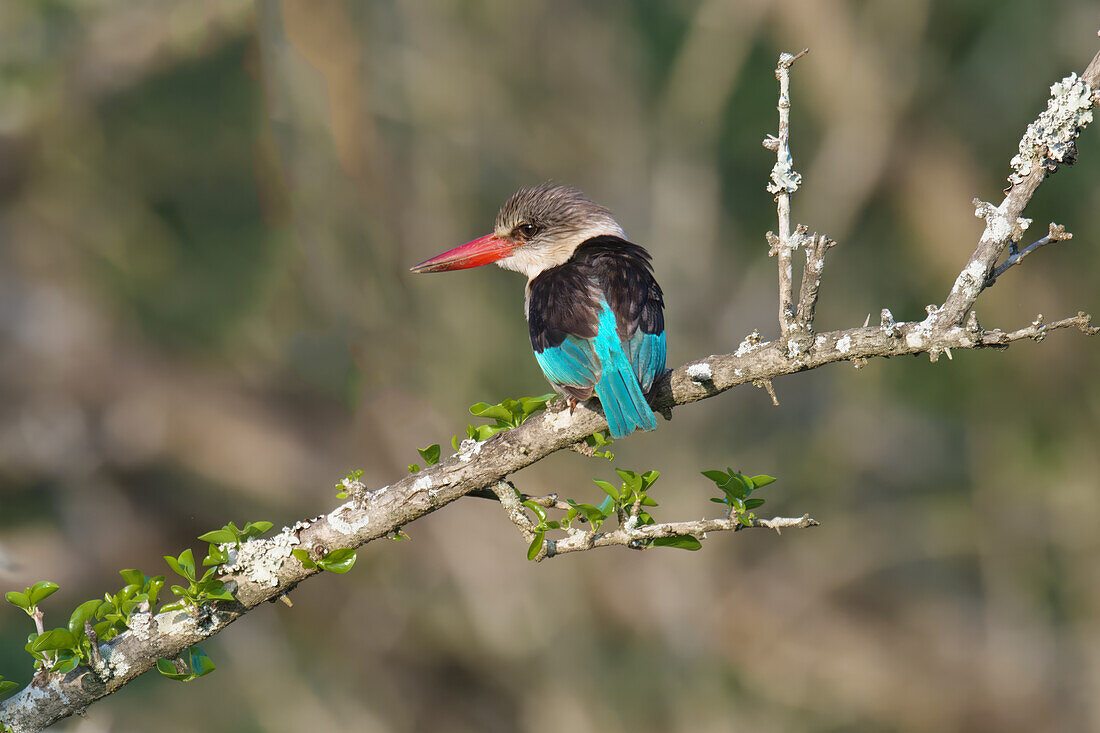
point(572, 405)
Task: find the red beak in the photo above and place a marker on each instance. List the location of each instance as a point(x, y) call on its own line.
point(481, 251)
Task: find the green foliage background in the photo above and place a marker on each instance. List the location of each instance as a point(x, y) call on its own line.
point(207, 213)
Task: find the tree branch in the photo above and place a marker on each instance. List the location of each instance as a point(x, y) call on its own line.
point(264, 569)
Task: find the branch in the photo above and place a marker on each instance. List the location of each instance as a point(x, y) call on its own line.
point(628, 534)
point(264, 569)
point(1050, 140)
point(784, 181)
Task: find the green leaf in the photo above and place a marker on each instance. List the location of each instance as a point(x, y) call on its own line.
point(219, 536)
point(496, 412)
point(536, 509)
point(133, 577)
point(338, 561)
point(536, 546)
point(414, 467)
point(429, 454)
point(183, 565)
point(737, 487)
point(716, 500)
point(218, 594)
point(631, 480)
point(682, 542)
point(607, 508)
point(718, 477)
point(761, 480)
point(255, 529)
point(40, 591)
point(454, 442)
point(7, 686)
point(303, 557)
point(649, 478)
point(216, 556)
point(86, 611)
point(67, 661)
point(751, 504)
point(609, 489)
point(18, 599)
point(648, 501)
point(53, 639)
point(200, 663)
point(168, 669)
point(196, 662)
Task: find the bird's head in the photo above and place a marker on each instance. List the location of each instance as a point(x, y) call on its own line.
point(538, 228)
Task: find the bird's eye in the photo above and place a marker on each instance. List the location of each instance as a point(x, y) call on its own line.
point(525, 231)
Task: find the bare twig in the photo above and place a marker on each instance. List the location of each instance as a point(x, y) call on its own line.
point(1057, 233)
point(784, 181)
point(815, 248)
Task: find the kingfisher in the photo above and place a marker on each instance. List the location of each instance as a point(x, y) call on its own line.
point(593, 307)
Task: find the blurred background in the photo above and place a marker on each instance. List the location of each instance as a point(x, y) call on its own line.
point(207, 212)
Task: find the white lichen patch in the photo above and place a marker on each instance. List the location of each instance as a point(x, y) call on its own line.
point(794, 348)
point(914, 340)
point(844, 344)
point(424, 483)
point(358, 518)
point(259, 560)
point(784, 178)
point(1049, 140)
point(738, 373)
point(469, 448)
point(141, 624)
point(114, 664)
point(700, 372)
point(45, 695)
point(997, 226)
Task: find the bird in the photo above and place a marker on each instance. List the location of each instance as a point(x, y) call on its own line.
point(594, 309)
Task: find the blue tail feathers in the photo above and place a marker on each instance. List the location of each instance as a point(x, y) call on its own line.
point(624, 405)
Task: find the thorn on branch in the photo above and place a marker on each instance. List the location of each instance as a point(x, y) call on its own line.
point(767, 385)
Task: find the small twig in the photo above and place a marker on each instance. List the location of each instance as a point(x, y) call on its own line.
point(1057, 233)
point(1038, 330)
point(635, 537)
point(550, 501)
point(510, 499)
point(93, 639)
point(784, 181)
point(815, 248)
